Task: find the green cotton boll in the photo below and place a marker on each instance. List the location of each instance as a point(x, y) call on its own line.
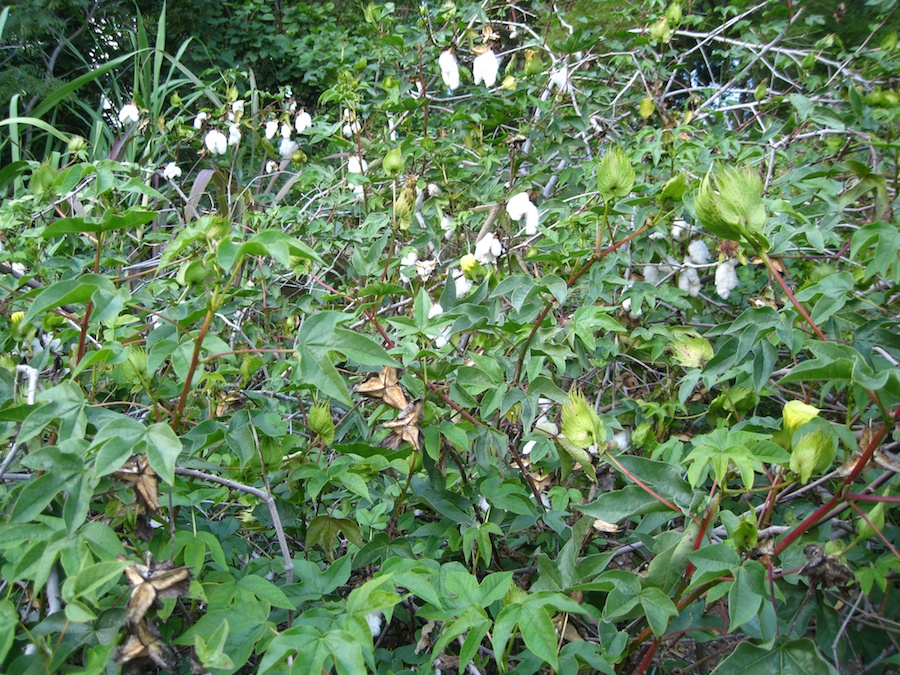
point(321, 423)
point(876, 517)
point(580, 423)
point(615, 177)
point(393, 162)
point(674, 13)
point(814, 448)
point(731, 206)
point(746, 534)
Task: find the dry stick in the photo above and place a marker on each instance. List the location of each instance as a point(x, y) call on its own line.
point(260, 494)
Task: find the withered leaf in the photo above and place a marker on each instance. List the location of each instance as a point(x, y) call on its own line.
point(404, 427)
point(140, 474)
point(152, 581)
point(145, 643)
point(824, 570)
point(385, 386)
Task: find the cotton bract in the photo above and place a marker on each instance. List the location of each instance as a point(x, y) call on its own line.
point(485, 68)
point(449, 69)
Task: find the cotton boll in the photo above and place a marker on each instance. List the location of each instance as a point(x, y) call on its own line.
point(303, 122)
point(449, 69)
point(528, 447)
point(689, 282)
point(650, 274)
point(355, 164)
point(271, 166)
point(271, 129)
point(234, 134)
point(483, 505)
point(463, 285)
point(559, 79)
point(622, 439)
point(129, 113)
point(726, 278)
point(485, 68)
point(488, 249)
point(171, 171)
point(376, 622)
point(200, 119)
point(698, 252)
point(286, 131)
point(520, 206)
point(216, 142)
point(424, 270)
point(679, 227)
point(436, 310)
point(287, 148)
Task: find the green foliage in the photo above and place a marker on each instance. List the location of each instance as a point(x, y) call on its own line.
point(592, 369)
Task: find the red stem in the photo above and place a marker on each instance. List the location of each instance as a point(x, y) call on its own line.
point(198, 343)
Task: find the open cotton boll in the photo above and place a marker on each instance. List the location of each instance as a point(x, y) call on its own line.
point(698, 252)
point(559, 79)
point(271, 129)
point(216, 142)
point(449, 69)
point(485, 68)
point(171, 171)
point(488, 249)
point(355, 164)
point(376, 622)
point(285, 131)
point(129, 113)
point(689, 282)
point(287, 148)
point(520, 206)
point(234, 134)
point(303, 122)
point(679, 227)
point(200, 119)
point(726, 278)
point(462, 284)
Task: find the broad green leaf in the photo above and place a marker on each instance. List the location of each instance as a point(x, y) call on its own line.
point(659, 608)
point(94, 576)
point(9, 621)
point(163, 448)
point(746, 595)
point(69, 291)
point(265, 590)
point(797, 657)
